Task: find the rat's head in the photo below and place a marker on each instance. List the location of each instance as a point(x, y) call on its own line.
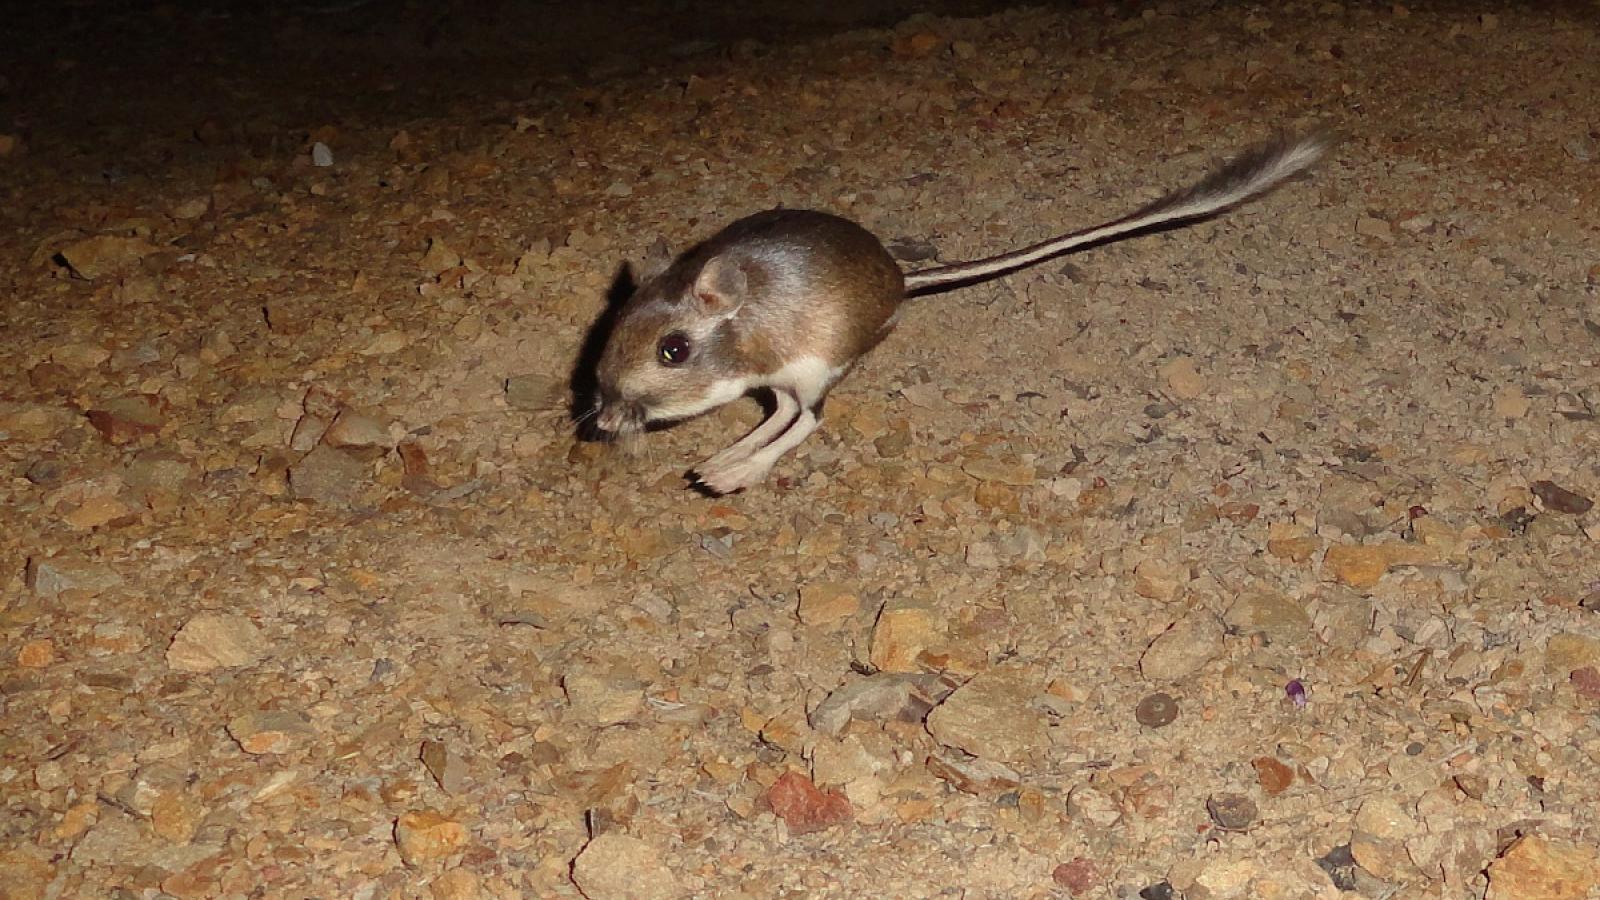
point(668, 355)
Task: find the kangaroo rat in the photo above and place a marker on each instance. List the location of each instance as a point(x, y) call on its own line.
point(789, 300)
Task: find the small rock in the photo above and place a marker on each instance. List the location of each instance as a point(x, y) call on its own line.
point(1586, 681)
point(1340, 864)
point(1184, 648)
point(1364, 565)
point(176, 816)
point(105, 254)
point(903, 630)
point(127, 419)
point(269, 732)
point(351, 430)
point(974, 776)
point(1569, 650)
point(193, 208)
point(1511, 403)
point(600, 700)
point(824, 602)
point(1537, 868)
point(424, 836)
point(881, 697)
point(1077, 876)
point(457, 884)
point(804, 808)
point(533, 392)
point(439, 258)
point(1156, 710)
point(1093, 805)
point(991, 470)
point(1369, 226)
point(992, 717)
point(1159, 580)
point(1290, 542)
point(36, 654)
point(34, 422)
point(1271, 614)
point(1181, 378)
point(920, 43)
point(982, 555)
point(330, 476)
point(50, 577)
point(1378, 844)
point(1232, 812)
point(445, 765)
point(615, 866)
point(215, 640)
point(321, 155)
point(1559, 499)
point(80, 356)
point(1274, 776)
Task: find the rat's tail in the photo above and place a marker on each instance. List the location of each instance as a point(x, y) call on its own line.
point(1254, 173)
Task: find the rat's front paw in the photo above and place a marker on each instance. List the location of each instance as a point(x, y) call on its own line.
point(721, 477)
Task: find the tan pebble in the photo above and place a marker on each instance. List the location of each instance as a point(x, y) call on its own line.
point(1181, 378)
point(213, 641)
point(36, 654)
point(616, 866)
point(1539, 868)
point(424, 835)
point(825, 602)
point(457, 884)
point(1363, 565)
point(904, 629)
point(1511, 403)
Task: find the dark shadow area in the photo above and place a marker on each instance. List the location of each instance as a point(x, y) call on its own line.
point(583, 383)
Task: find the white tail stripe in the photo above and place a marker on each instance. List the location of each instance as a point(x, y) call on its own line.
point(1252, 174)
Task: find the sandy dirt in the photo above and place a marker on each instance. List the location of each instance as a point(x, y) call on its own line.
point(1254, 559)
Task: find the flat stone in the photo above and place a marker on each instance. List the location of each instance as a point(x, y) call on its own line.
point(51, 576)
point(1538, 868)
point(425, 836)
point(880, 697)
point(215, 641)
point(330, 476)
point(1182, 379)
point(993, 717)
point(1379, 842)
point(616, 866)
point(826, 602)
point(105, 254)
point(600, 699)
point(1364, 565)
point(533, 392)
point(1272, 614)
point(1569, 650)
point(127, 419)
point(1559, 499)
point(1183, 649)
point(904, 629)
point(270, 732)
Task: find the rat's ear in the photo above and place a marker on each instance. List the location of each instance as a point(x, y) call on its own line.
point(720, 287)
point(655, 261)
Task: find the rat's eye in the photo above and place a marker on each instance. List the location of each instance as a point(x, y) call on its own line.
point(673, 349)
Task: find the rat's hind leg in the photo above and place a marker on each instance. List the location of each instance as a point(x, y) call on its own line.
point(782, 417)
point(743, 473)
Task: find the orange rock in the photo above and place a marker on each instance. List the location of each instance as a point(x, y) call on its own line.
point(804, 808)
point(1275, 777)
point(423, 835)
point(36, 654)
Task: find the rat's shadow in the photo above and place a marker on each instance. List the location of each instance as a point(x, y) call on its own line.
point(584, 383)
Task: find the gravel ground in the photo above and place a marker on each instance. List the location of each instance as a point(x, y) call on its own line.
point(1254, 559)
